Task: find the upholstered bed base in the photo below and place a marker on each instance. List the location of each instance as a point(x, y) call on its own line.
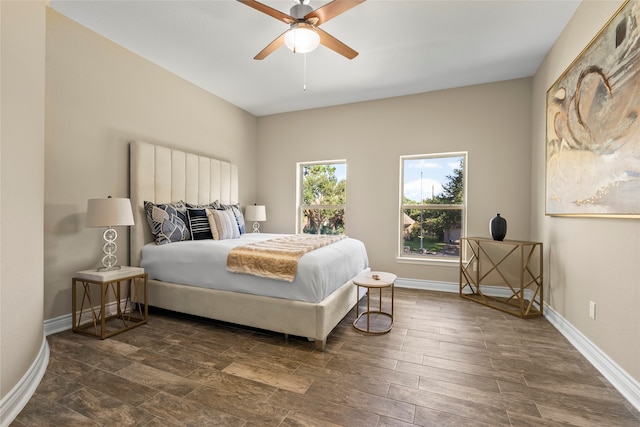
point(162, 175)
point(298, 318)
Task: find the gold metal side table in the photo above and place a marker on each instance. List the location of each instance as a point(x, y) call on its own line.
point(513, 267)
point(123, 312)
point(374, 280)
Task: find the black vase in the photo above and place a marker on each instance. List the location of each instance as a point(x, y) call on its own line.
point(498, 227)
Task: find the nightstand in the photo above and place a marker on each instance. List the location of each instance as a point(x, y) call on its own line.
point(118, 310)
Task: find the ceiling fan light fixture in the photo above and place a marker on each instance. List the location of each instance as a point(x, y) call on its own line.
point(302, 38)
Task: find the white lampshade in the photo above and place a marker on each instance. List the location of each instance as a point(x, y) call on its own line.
point(302, 38)
point(110, 212)
point(255, 213)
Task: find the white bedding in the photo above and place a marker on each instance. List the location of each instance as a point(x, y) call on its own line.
point(202, 263)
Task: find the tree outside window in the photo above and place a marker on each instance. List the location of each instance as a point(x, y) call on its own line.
point(322, 190)
point(433, 205)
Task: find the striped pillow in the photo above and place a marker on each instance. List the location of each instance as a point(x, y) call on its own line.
point(199, 224)
point(223, 224)
point(237, 212)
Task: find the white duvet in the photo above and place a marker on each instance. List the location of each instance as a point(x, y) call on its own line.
point(203, 263)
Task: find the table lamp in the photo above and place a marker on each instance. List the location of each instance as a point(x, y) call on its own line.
point(255, 213)
point(110, 212)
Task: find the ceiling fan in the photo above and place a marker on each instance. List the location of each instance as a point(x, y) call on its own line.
point(303, 34)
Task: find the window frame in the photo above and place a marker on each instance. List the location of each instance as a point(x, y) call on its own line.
point(299, 189)
point(431, 259)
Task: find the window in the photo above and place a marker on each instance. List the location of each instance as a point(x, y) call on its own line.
point(433, 206)
point(322, 191)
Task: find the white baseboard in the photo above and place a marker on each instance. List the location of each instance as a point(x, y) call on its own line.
point(64, 322)
point(618, 377)
point(429, 285)
point(57, 324)
point(14, 401)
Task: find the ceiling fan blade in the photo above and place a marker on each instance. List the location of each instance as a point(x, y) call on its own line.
point(271, 47)
point(336, 45)
point(331, 10)
point(275, 13)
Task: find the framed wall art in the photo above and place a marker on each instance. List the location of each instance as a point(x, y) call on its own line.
point(593, 125)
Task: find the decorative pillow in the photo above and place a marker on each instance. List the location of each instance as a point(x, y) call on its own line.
point(212, 205)
point(166, 222)
point(237, 212)
point(232, 223)
point(239, 218)
point(212, 224)
point(224, 223)
point(181, 207)
point(199, 224)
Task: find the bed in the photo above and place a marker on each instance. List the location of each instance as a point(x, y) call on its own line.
point(163, 175)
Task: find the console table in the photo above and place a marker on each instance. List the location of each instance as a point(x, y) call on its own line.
point(505, 275)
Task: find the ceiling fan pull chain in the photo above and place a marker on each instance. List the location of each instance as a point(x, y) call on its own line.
point(304, 83)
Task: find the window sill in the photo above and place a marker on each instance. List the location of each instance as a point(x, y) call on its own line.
point(440, 262)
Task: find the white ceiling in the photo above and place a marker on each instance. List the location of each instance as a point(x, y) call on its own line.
point(405, 47)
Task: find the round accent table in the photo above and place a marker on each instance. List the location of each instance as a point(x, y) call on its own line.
point(374, 280)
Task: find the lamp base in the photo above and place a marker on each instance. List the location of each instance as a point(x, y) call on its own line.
point(256, 227)
point(109, 260)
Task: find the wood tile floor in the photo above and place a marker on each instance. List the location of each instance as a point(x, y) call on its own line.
point(446, 362)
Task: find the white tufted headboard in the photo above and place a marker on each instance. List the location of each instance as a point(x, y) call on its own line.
point(163, 175)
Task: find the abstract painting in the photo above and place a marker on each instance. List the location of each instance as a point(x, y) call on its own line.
point(593, 126)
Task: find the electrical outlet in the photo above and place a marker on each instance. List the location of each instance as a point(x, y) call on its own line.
point(475, 266)
point(592, 310)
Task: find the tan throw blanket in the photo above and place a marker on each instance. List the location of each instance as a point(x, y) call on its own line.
point(276, 258)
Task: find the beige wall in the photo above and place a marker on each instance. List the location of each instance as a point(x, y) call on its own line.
point(22, 78)
point(491, 122)
point(99, 97)
point(588, 259)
